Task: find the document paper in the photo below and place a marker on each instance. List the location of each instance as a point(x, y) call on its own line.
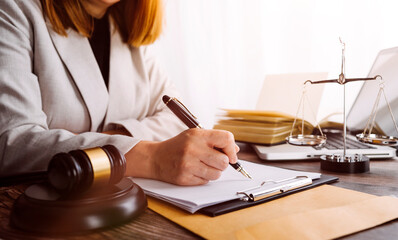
point(193, 198)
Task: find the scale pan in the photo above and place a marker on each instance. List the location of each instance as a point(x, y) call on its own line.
point(306, 140)
point(377, 139)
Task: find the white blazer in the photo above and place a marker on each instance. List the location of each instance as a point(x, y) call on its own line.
point(53, 97)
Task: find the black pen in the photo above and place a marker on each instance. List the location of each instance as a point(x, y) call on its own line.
point(190, 120)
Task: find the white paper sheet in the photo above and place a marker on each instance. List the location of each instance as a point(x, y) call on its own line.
point(193, 198)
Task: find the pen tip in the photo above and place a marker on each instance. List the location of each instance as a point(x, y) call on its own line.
point(165, 98)
point(246, 174)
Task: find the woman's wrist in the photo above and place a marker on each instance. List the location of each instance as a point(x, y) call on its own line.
point(141, 161)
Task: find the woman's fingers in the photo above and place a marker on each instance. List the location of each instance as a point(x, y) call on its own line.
point(224, 141)
point(214, 158)
point(194, 166)
point(206, 172)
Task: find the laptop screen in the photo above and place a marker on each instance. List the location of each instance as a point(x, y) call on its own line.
point(385, 65)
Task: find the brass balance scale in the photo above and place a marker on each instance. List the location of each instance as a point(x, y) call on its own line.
point(351, 163)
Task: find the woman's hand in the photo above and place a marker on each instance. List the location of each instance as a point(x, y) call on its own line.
point(187, 159)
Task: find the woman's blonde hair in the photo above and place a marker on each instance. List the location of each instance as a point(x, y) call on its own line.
point(138, 21)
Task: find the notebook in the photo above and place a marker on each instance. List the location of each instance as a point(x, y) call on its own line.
point(384, 65)
point(267, 182)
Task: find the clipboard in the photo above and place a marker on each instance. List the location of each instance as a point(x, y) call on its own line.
point(255, 196)
point(267, 182)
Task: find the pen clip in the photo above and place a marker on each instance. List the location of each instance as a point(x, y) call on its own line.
point(250, 196)
point(178, 101)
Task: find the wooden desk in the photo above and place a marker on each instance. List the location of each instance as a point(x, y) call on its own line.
point(381, 180)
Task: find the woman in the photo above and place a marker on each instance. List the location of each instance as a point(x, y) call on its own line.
point(74, 74)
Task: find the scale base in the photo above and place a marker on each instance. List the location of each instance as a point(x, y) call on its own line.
point(346, 164)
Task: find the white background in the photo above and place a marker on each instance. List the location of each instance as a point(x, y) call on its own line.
point(218, 52)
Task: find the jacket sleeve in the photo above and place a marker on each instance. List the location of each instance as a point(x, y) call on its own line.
point(26, 141)
point(160, 123)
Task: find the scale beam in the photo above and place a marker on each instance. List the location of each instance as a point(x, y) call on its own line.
point(346, 80)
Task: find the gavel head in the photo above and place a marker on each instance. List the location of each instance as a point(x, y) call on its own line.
point(80, 170)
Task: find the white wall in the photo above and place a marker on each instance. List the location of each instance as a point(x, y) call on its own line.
point(218, 52)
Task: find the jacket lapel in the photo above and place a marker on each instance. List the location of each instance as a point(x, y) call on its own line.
point(76, 53)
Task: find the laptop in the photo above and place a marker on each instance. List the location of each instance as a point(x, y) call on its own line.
point(384, 65)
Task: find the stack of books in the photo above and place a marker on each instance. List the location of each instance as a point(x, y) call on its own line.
point(261, 127)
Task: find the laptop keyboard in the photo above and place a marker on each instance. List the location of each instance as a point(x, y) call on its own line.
point(335, 141)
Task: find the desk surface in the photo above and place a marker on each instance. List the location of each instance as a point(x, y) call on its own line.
point(381, 180)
